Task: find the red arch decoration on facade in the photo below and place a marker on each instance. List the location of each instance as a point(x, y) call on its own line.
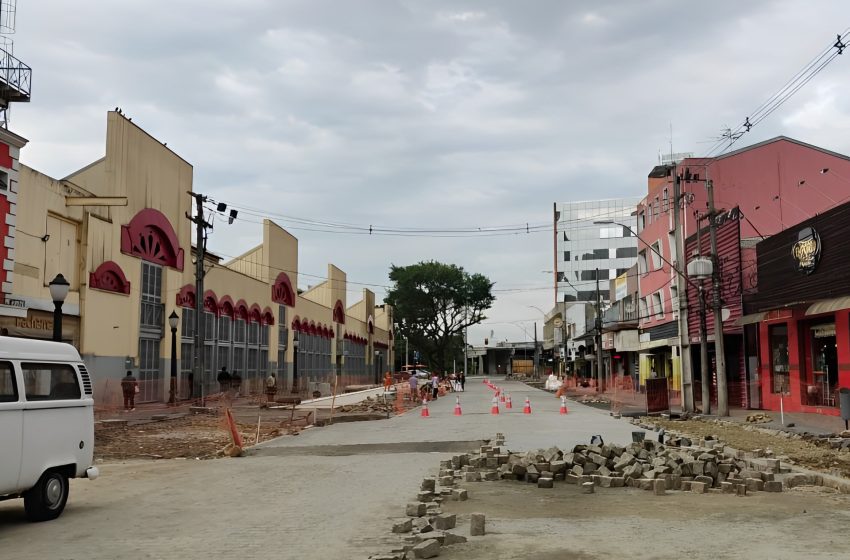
point(186, 296)
point(339, 312)
point(241, 310)
point(268, 316)
point(211, 302)
point(255, 314)
point(150, 236)
point(282, 291)
point(110, 278)
point(226, 307)
point(296, 323)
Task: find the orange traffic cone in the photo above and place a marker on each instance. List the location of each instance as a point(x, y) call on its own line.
point(458, 411)
point(564, 405)
point(495, 408)
point(425, 413)
point(527, 408)
point(508, 403)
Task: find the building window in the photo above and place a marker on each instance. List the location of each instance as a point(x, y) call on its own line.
point(641, 222)
point(597, 254)
point(778, 335)
point(239, 331)
point(644, 314)
point(187, 323)
point(588, 275)
point(566, 256)
point(656, 207)
point(642, 265)
point(665, 200)
point(626, 252)
point(611, 232)
point(671, 241)
point(148, 369)
point(656, 255)
point(658, 304)
point(152, 309)
point(224, 328)
point(674, 298)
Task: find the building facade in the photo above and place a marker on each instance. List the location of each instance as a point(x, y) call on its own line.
point(587, 250)
point(117, 231)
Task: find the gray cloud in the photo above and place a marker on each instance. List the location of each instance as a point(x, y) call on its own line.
point(426, 114)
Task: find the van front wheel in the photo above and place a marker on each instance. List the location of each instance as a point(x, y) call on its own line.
point(46, 500)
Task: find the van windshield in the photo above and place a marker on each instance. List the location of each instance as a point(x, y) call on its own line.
point(50, 382)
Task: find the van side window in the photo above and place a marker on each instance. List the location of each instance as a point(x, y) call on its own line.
point(8, 386)
point(50, 382)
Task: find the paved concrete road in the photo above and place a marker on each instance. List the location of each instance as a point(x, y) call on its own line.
point(327, 493)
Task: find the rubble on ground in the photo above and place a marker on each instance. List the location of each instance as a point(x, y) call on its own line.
point(675, 463)
point(759, 418)
point(370, 404)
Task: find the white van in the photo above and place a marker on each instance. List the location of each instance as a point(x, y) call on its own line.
point(46, 424)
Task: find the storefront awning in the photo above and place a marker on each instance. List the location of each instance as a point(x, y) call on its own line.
point(829, 305)
point(750, 319)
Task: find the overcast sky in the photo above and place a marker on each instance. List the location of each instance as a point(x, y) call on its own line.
point(417, 113)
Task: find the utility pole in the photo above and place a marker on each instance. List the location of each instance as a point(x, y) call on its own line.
point(705, 371)
point(681, 291)
point(600, 375)
point(200, 252)
point(719, 347)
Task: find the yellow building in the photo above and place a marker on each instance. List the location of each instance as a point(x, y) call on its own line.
point(117, 231)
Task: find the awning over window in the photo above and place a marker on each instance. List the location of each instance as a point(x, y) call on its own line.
point(750, 319)
point(829, 305)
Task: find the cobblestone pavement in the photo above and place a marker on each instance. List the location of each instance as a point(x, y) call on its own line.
point(327, 493)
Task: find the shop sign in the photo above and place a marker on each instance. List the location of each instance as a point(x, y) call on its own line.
point(607, 341)
point(806, 251)
point(12, 302)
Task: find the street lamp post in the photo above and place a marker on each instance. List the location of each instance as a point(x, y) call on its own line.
point(173, 319)
point(58, 292)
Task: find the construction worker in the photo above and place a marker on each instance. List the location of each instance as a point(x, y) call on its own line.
point(271, 387)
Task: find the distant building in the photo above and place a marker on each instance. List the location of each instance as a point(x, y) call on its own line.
point(585, 245)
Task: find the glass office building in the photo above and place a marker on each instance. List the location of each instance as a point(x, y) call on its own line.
point(586, 247)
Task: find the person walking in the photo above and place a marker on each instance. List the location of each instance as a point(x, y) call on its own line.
point(462, 381)
point(236, 382)
point(129, 387)
point(224, 380)
point(271, 388)
point(388, 382)
point(413, 382)
point(435, 385)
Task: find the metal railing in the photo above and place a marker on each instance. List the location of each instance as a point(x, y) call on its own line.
point(15, 78)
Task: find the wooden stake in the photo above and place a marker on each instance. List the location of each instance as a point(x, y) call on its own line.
point(257, 439)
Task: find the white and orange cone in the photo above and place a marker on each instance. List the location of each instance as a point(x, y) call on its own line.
point(495, 408)
point(564, 405)
point(458, 411)
point(425, 413)
point(527, 408)
point(508, 403)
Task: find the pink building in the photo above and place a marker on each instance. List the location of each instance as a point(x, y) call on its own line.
point(775, 184)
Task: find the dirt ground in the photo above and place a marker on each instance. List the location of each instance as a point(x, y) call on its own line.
point(190, 437)
point(205, 437)
point(524, 522)
point(800, 451)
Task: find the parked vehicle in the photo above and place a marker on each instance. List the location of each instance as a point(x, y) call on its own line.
point(46, 424)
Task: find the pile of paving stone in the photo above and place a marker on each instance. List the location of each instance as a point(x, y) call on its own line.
point(675, 465)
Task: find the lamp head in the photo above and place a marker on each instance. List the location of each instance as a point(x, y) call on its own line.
point(59, 288)
point(173, 319)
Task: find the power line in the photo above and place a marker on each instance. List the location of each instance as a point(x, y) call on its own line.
point(792, 86)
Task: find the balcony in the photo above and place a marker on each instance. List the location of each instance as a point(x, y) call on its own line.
point(15, 80)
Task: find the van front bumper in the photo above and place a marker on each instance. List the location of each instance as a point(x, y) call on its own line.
point(92, 473)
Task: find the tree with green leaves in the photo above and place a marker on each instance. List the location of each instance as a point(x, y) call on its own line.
point(433, 303)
